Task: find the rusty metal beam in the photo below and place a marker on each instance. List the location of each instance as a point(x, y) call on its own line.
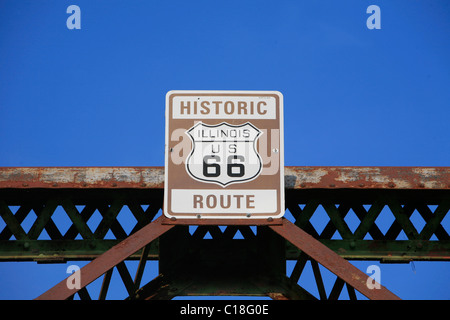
point(82, 177)
point(221, 222)
point(420, 178)
point(331, 260)
point(108, 260)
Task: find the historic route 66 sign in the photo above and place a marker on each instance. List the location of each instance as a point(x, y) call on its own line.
point(224, 155)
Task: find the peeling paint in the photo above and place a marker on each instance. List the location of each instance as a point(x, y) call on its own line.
point(357, 174)
point(295, 177)
point(426, 172)
point(306, 175)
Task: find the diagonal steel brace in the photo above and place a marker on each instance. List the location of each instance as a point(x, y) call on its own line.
point(109, 259)
point(331, 260)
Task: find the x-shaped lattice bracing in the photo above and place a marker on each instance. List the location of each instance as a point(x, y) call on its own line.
point(368, 218)
point(44, 221)
point(81, 211)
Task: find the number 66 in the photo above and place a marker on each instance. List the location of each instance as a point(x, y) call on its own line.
point(212, 169)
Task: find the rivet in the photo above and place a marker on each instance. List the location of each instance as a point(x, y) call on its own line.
point(270, 219)
point(199, 216)
point(249, 215)
point(173, 219)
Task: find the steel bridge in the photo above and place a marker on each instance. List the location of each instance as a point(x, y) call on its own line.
point(254, 264)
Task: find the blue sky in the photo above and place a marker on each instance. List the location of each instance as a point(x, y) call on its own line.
point(352, 96)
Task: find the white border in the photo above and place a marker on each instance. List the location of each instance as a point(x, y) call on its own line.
point(166, 148)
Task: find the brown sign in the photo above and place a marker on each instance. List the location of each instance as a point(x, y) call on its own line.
point(224, 155)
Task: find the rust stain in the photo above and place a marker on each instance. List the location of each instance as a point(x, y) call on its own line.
point(368, 177)
point(295, 177)
point(81, 177)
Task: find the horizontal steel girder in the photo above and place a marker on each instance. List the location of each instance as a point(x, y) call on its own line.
point(409, 178)
point(83, 238)
point(395, 251)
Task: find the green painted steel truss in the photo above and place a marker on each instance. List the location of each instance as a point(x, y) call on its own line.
point(67, 224)
point(58, 225)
